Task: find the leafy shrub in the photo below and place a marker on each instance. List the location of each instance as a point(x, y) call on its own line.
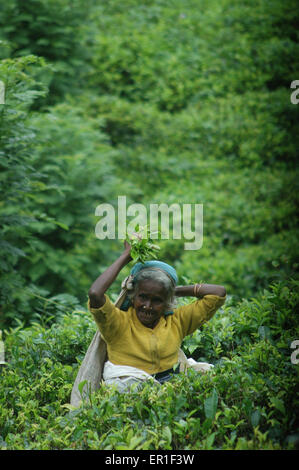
point(47, 239)
point(54, 30)
point(246, 402)
point(18, 177)
point(180, 59)
point(194, 111)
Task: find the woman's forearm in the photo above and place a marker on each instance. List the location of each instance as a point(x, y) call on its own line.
point(104, 281)
point(200, 290)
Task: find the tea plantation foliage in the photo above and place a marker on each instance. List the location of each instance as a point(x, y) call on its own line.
point(163, 102)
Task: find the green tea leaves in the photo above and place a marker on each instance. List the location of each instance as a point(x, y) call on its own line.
point(142, 246)
point(255, 418)
point(210, 405)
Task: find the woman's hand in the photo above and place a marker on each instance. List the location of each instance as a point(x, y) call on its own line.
point(127, 250)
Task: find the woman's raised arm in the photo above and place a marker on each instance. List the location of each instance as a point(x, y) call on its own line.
point(200, 290)
point(104, 281)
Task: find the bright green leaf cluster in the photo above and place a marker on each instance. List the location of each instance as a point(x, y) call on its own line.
point(142, 246)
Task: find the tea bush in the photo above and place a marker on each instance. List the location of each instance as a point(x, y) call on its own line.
point(248, 401)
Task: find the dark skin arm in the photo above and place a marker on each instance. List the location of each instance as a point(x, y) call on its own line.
point(205, 289)
point(104, 281)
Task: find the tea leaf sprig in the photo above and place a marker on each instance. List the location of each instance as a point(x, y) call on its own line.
point(142, 246)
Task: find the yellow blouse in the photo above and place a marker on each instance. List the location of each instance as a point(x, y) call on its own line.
point(131, 343)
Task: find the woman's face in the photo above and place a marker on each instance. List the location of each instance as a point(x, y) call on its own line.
point(149, 302)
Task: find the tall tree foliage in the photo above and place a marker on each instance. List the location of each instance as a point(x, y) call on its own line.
point(19, 179)
point(183, 102)
point(59, 31)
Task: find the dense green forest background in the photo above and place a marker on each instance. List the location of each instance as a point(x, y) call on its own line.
point(163, 102)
